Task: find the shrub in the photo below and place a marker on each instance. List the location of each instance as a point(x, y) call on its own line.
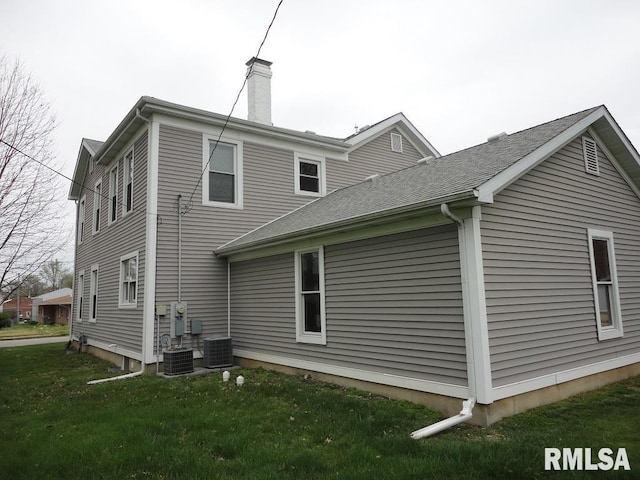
point(5, 320)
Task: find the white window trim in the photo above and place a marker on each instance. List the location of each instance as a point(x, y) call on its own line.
point(97, 205)
point(238, 164)
point(113, 190)
point(80, 300)
point(125, 174)
point(121, 303)
point(615, 330)
point(93, 291)
point(322, 172)
point(82, 213)
point(319, 338)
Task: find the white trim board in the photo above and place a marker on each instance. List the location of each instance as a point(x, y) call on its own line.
point(449, 390)
point(544, 381)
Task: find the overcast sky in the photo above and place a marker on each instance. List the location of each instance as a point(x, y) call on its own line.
point(459, 70)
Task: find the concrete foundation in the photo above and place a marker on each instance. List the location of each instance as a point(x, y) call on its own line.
point(483, 415)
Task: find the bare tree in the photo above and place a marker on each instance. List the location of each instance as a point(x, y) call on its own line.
point(53, 274)
point(31, 195)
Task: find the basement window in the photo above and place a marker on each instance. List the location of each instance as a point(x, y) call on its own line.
point(590, 153)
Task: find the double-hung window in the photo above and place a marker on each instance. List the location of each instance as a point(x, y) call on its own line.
point(222, 181)
point(310, 174)
point(309, 304)
point(113, 194)
point(605, 284)
point(81, 214)
point(80, 293)
point(93, 292)
point(97, 203)
point(129, 280)
point(127, 205)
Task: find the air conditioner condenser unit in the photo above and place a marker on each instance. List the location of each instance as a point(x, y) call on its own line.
point(218, 352)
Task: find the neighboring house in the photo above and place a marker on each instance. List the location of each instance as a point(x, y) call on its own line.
point(53, 307)
point(149, 220)
point(19, 308)
point(508, 272)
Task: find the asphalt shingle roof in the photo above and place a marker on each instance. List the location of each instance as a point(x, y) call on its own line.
point(439, 178)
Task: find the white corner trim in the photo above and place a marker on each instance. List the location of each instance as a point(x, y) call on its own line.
point(544, 381)
point(149, 299)
point(515, 171)
point(475, 308)
point(409, 383)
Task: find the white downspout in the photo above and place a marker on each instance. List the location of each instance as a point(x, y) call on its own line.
point(467, 405)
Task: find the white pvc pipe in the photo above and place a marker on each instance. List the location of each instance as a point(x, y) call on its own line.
point(464, 415)
point(112, 379)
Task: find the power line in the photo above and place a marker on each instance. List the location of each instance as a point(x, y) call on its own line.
point(88, 189)
point(226, 122)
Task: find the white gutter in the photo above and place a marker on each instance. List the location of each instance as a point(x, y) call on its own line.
point(467, 406)
point(464, 415)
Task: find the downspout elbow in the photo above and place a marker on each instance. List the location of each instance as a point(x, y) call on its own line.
point(444, 209)
point(465, 414)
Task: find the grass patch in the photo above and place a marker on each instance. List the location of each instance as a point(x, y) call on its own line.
point(30, 331)
point(53, 425)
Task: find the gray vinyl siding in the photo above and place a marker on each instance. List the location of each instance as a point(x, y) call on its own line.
point(269, 192)
point(540, 305)
point(393, 305)
point(114, 325)
point(375, 157)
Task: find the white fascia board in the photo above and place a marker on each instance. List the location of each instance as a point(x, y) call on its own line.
point(621, 135)
point(263, 138)
point(491, 187)
point(399, 120)
point(79, 173)
point(615, 163)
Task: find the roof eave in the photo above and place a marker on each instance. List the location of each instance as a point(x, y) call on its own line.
point(466, 198)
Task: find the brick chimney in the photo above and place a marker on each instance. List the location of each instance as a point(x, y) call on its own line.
point(259, 90)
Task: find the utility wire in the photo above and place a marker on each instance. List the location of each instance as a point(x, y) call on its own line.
point(88, 189)
point(226, 122)
point(120, 203)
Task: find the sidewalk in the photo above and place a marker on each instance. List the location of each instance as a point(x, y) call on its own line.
point(32, 341)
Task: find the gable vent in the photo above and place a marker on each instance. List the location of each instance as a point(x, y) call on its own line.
point(590, 152)
point(396, 143)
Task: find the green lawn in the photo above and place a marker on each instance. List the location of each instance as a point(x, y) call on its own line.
point(28, 331)
point(54, 425)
